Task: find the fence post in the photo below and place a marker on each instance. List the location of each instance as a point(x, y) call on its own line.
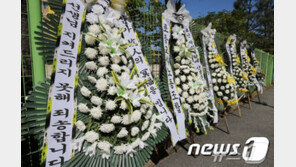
point(34, 18)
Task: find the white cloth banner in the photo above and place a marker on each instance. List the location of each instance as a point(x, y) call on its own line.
point(59, 135)
point(211, 92)
point(196, 59)
point(172, 87)
point(145, 73)
point(230, 58)
point(230, 63)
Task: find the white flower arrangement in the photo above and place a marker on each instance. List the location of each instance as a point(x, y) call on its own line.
point(239, 75)
point(220, 77)
point(246, 63)
point(189, 82)
point(119, 106)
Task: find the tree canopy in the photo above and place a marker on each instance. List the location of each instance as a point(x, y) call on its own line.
point(252, 20)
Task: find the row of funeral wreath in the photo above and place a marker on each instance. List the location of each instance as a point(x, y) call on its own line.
point(103, 107)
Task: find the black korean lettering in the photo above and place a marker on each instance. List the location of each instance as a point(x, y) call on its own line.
point(60, 136)
point(61, 125)
point(64, 87)
point(61, 112)
point(57, 162)
point(62, 96)
point(66, 72)
point(63, 149)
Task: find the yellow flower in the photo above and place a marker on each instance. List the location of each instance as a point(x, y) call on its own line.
point(248, 59)
point(246, 52)
point(220, 101)
point(245, 76)
point(219, 59)
point(237, 60)
point(243, 90)
point(232, 102)
point(254, 70)
point(230, 79)
point(228, 40)
point(213, 44)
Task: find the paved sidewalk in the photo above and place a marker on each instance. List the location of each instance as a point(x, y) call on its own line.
point(256, 123)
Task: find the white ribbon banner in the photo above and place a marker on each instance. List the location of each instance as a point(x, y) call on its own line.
point(230, 62)
point(211, 92)
point(172, 87)
point(145, 73)
point(61, 117)
point(230, 57)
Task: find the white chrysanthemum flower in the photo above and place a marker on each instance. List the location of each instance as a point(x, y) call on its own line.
point(148, 114)
point(145, 125)
point(214, 80)
point(98, 9)
point(115, 67)
point(135, 131)
point(107, 128)
point(80, 125)
point(89, 39)
point(112, 90)
point(91, 136)
point(83, 108)
point(84, 91)
point(191, 91)
point(96, 112)
point(91, 65)
point(219, 93)
point(225, 98)
point(176, 49)
point(101, 84)
point(196, 106)
point(222, 87)
point(116, 59)
point(177, 72)
point(104, 60)
point(185, 87)
point(186, 71)
point(123, 105)
point(120, 149)
point(102, 71)
point(227, 91)
point(145, 136)
point(178, 58)
point(126, 119)
point(91, 79)
point(186, 106)
point(92, 18)
point(190, 99)
point(185, 94)
point(116, 119)
point(136, 116)
point(183, 78)
point(110, 105)
point(96, 100)
point(94, 29)
point(216, 88)
point(177, 65)
point(122, 133)
point(90, 53)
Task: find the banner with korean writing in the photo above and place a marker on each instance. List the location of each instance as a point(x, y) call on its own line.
point(58, 135)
